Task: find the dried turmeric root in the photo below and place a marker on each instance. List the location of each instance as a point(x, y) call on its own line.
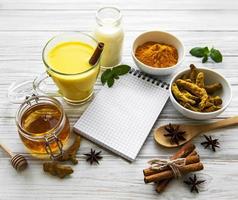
point(212, 108)
point(217, 101)
point(191, 87)
point(57, 169)
point(189, 95)
point(70, 153)
point(185, 76)
point(200, 80)
point(188, 80)
point(180, 96)
point(204, 100)
point(212, 88)
point(196, 90)
point(193, 108)
point(208, 104)
point(193, 73)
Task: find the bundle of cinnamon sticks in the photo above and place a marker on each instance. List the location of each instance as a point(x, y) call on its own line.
point(163, 176)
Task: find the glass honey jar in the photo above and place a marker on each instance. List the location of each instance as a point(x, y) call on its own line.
point(43, 126)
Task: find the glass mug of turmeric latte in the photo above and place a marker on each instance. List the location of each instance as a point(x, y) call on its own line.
point(66, 58)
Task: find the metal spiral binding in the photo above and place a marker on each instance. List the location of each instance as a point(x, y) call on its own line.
point(148, 78)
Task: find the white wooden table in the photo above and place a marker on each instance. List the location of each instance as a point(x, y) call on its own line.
point(26, 25)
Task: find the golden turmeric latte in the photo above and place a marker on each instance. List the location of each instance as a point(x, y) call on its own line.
point(157, 55)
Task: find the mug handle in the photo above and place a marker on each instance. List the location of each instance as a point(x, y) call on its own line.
point(42, 80)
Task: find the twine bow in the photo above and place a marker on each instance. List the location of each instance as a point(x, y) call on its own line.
point(162, 164)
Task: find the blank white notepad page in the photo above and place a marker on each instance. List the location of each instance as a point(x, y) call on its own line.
point(120, 118)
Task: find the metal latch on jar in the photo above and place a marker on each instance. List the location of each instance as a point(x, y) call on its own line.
point(51, 140)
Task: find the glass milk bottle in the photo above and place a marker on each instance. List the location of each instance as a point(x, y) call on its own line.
point(109, 31)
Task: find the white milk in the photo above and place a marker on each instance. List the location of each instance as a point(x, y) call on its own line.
point(110, 32)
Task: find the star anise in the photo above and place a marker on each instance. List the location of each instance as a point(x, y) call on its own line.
point(174, 133)
point(194, 182)
point(93, 156)
point(213, 143)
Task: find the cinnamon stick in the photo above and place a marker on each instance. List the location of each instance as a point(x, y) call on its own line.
point(180, 154)
point(189, 160)
point(184, 151)
point(163, 184)
point(169, 173)
point(96, 54)
point(193, 153)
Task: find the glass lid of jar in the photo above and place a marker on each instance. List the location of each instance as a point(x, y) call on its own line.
point(19, 90)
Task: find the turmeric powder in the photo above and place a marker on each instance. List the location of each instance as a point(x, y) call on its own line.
point(157, 55)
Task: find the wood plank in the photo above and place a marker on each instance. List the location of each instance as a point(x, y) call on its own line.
point(66, 20)
point(26, 70)
point(129, 5)
point(113, 179)
point(227, 137)
point(29, 45)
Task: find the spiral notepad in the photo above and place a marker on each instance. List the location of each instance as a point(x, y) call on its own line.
point(120, 118)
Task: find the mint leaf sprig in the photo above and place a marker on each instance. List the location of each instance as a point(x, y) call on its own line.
point(205, 53)
point(110, 75)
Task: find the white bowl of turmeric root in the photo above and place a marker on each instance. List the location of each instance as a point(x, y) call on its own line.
point(200, 93)
point(157, 53)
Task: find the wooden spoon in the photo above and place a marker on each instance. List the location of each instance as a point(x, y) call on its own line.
point(191, 131)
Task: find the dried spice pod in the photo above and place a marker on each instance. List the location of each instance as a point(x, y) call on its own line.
point(193, 182)
point(176, 135)
point(93, 156)
point(210, 142)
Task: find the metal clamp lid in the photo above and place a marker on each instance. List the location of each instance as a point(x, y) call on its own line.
point(53, 139)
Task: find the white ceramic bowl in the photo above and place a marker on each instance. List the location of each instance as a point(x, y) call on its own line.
point(161, 37)
point(210, 77)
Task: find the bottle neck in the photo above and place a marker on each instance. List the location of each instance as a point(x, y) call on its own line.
point(108, 16)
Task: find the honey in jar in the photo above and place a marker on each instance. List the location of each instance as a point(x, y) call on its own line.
point(43, 125)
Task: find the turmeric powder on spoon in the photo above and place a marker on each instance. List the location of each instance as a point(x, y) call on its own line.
point(157, 55)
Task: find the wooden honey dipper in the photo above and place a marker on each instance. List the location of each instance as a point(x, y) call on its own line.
point(17, 160)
